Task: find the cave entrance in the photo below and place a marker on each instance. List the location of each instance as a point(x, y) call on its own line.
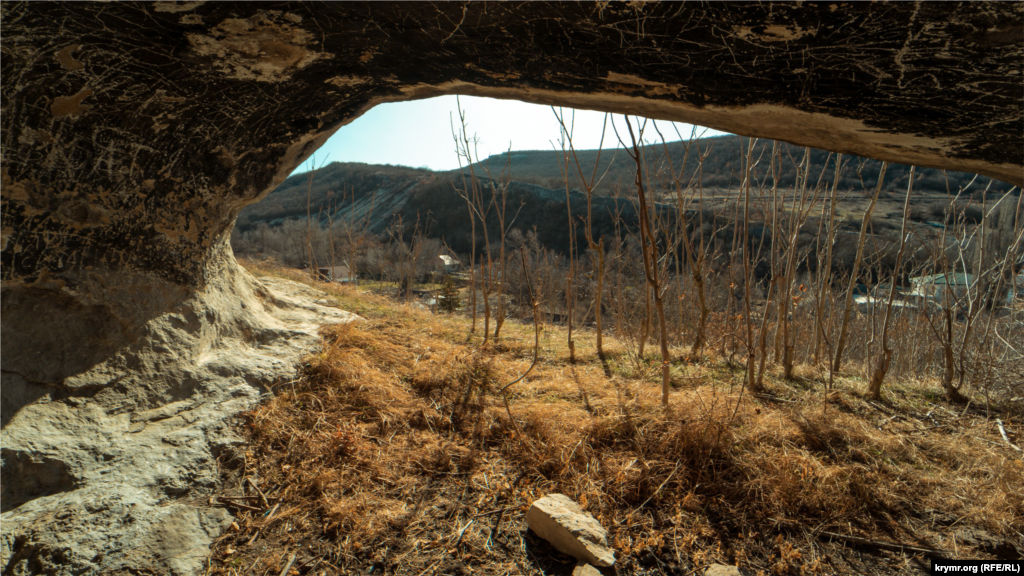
point(418, 133)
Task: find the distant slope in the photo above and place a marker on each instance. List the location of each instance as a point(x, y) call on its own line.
point(342, 192)
point(391, 194)
point(722, 167)
point(330, 186)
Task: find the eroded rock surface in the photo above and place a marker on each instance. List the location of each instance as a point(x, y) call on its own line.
point(584, 569)
point(134, 132)
point(95, 480)
point(573, 531)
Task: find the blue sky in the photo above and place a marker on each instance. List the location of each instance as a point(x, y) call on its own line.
point(419, 133)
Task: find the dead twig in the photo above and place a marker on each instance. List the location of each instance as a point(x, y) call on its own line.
point(888, 420)
point(879, 407)
point(659, 487)
point(272, 510)
point(428, 568)
point(263, 497)
point(239, 505)
point(536, 354)
point(1002, 431)
point(482, 514)
point(259, 530)
point(986, 441)
point(462, 532)
point(929, 428)
point(773, 398)
point(893, 546)
point(882, 544)
point(288, 566)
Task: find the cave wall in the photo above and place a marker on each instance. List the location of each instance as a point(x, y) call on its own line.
point(134, 132)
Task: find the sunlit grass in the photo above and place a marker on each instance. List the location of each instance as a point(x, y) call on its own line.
point(400, 413)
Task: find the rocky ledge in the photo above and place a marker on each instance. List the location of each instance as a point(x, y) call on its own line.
point(100, 480)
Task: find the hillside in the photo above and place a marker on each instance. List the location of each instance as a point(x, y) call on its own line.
point(722, 167)
point(387, 195)
point(380, 196)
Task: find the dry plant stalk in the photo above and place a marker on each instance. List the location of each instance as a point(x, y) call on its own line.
point(652, 263)
point(753, 384)
point(825, 266)
point(597, 247)
point(837, 362)
point(695, 256)
point(882, 368)
point(465, 152)
point(570, 274)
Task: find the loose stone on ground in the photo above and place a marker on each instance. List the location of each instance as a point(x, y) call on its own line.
point(583, 569)
point(723, 570)
point(562, 522)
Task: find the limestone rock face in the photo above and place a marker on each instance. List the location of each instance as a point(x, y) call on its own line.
point(559, 520)
point(134, 132)
point(94, 478)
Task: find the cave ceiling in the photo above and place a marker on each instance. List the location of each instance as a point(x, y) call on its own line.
point(134, 132)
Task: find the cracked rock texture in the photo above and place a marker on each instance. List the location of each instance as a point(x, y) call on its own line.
point(573, 531)
point(134, 132)
point(94, 477)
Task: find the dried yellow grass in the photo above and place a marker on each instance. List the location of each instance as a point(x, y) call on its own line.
point(394, 437)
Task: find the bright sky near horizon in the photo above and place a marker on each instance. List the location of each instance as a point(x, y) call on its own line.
point(419, 133)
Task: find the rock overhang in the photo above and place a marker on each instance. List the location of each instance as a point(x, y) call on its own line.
point(134, 132)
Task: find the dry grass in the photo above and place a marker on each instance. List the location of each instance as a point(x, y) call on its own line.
point(393, 452)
